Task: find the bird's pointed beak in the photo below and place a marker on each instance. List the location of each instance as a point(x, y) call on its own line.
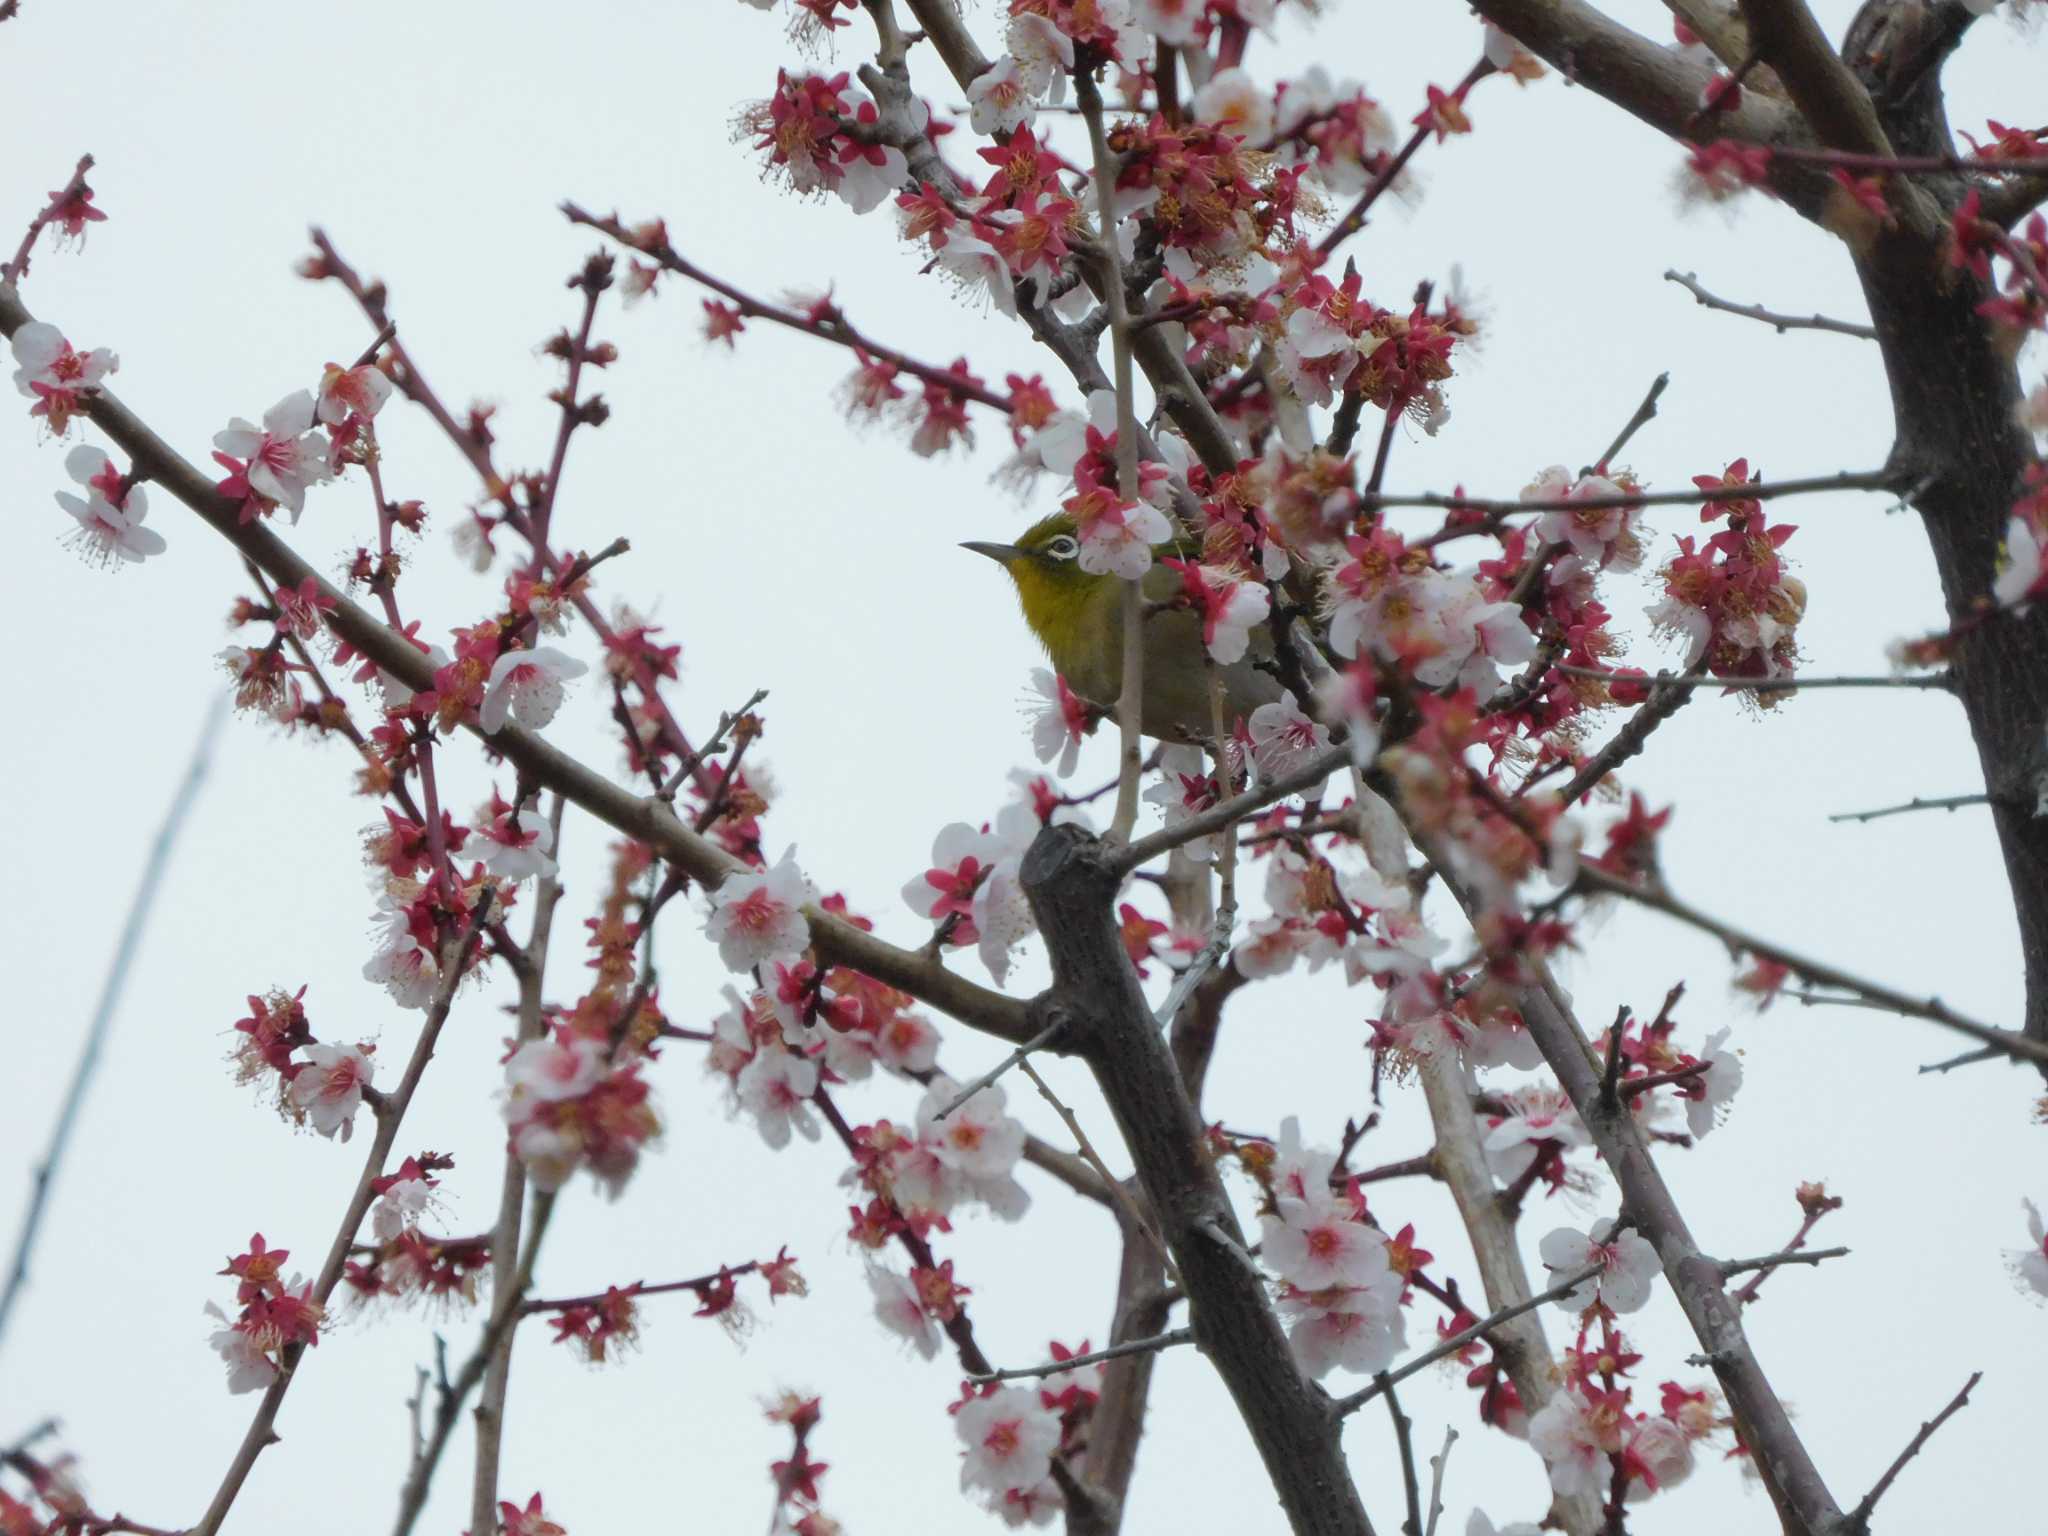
point(1002, 554)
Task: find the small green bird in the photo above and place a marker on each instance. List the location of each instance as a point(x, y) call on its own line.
point(1077, 616)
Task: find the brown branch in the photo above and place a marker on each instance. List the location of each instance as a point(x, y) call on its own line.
point(17, 269)
point(1781, 1458)
point(1829, 96)
point(1071, 882)
point(1772, 1261)
point(1945, 803)
point(1859, 1517)
point(1648, 81)
point(1227, 812)
point(2018, 1046)
point(261, 1432)
point(1910, 680)
point(1115, 1352)
point(490, 1408)
point(636, 1290)
point(1888, 479)
point(1781, 323)
point(1661, 705)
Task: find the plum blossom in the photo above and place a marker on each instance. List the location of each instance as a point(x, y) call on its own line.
point(249, 1368)
point(999, 100)
point(109, 515)
point(1237, 104)
point(870, 171)
point(1480, 1525)
point(285, 456)
point(757, 916)
point(1718, 1085)
point(329, 1087)
point(1355, 1329)
point(401, 1206)
point(1536, 1114)
point(516, 844)
point(1628, 1265)
point(1284, 739)
point(978, 1139)
point(962, 858)
point(1010, 1436)
point(1567, 1436)
point(2029, 1266)
point(346, 392)
point(1059, 722)
point(403, 965)
point(1116, 535)
point(553, 1069)
point(526, 686)
point(901, 1310)
point(1316, 1243)
point(1230, 607)
point(774, 1088)
point(56, 375)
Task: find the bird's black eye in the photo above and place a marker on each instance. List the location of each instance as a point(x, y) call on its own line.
point(1061, 547)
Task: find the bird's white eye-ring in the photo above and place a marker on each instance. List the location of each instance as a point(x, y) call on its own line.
point(1062, 547)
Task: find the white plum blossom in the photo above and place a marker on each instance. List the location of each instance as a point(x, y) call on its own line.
point(1601, 536)
point(1476, 638)
point(900, 1311)
point(516, 846)
point(248, 1367)
point(1628, 1265)
point(1271, 945)
point(329, 1087)
point(908, 1043)
point(401, 964)
point(978, 1138)
point(979, 268)
point(400, 1207)
point(286, 457)
point(1566, 1436)
point(346, 392)
point(1721, 1080)
point(548, 1154)
point(2032, 412)
point(1010, 1436)
point(774, 1088)
point(1665, 1453)
point(870, 172)
point(998, 99)
point(1360, 1328)
point(1044, 55)
point(961, 857)
point(1480, 1525)
point(1284, 739)
point(1002, 915)
point(1538, 1113)
point(55, 374)
point(2029, 1266)
point(1118, 540)
point(551, 1070)
point(757, 917)
point(1058, 721)
point(526, 686)
point(1184, 788)
point(109, 515)
point(1316, 1243)
point(1236, 103)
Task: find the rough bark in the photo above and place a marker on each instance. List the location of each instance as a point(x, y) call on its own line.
point(1071, 882)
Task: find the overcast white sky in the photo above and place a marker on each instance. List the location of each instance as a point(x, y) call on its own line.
point(785, 552)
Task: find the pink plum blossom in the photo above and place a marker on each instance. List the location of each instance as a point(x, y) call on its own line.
point(56, 375)
point(285, 456)
point(774, 1088)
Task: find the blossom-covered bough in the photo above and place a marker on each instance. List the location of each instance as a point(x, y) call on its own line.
point(1440, 726)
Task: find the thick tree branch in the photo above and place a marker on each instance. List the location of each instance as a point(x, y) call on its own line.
point(1071, 882)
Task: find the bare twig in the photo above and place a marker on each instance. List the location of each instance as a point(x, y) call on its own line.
point(1945, 803)
point(1464, 1336)
point(1436, 1480)
point(1782, 323)
point(1118, 1194)
point(1922, 680)
point(1859, 1518)
point(1645, 414)
point(1219, 816)
point(1894, 480)
point(1037, 1042)
point(1787, 1256)
point(2014, 1044)
point(125, 949)
point(1157, 1342)
point(1412, 1526)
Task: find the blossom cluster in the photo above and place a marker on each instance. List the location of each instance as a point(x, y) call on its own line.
point(277, 1314)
